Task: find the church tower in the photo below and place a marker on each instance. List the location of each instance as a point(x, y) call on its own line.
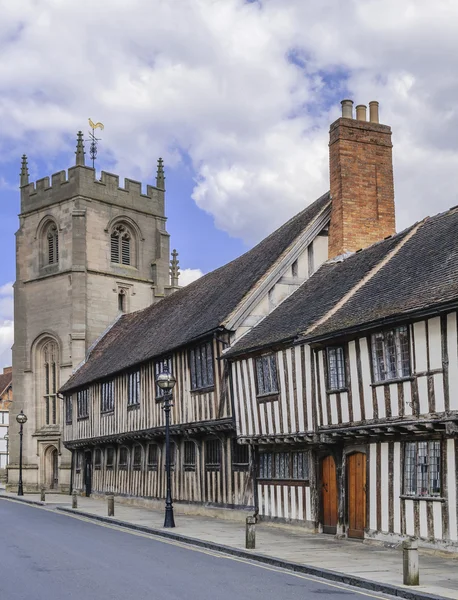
point(87, 250)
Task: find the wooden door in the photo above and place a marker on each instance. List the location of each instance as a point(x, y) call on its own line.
point(88, 474)
point(356, 478)
point(329, 494)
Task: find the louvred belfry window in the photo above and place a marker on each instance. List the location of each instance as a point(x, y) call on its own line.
point(53, 245)
point(121, 246)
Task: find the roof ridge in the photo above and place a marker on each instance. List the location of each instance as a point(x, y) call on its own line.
point(385, 260)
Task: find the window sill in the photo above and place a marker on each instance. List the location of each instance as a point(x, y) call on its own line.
point(337, 391)
point(152, 468)
point(240, 468)
point(427, 498)
point(107, 412)
point(121, 266)
point(133, 406)
point(203, 390)
point(189, 468)
point(389, 381)
point(268, 397)
point(83, 418)
point(68, 422)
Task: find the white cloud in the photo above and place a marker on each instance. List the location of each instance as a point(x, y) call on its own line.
point(214, 78)
point(187, 276)
point(6, 324)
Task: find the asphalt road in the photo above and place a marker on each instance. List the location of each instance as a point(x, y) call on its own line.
point(52, 556)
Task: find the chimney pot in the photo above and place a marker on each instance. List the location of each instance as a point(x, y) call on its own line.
point(361, 112)
point(373, 111)
point(347, 109)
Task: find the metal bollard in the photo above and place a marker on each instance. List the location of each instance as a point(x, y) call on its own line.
point(250, 539)
point(110, 500)
point(43, 494)
point(74, 500)
point(411, 568)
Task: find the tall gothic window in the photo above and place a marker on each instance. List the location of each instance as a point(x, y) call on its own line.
point(52, 238)
point(121, 245)
point(50, 353)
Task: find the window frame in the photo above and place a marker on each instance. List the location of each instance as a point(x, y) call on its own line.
point(97, 463)
point(82, 402)
point(123, 466)
point(376, 371)
point(122, 245)
point(110, 465)
point(107, 400)
point(134, 389)
point(68, 410)
point(236, 451)
point(261, 394)
point(410, 475)
point(213, 466)
point(189, 458)
point(137, 466)
point(274, 466)
point(337, 388)
point(196, 364)
point(52, 245)
point(152, 465)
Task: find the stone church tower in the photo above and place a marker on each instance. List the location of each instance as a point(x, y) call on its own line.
point(87, 251)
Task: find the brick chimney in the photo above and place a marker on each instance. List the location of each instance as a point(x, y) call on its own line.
point(361, 171)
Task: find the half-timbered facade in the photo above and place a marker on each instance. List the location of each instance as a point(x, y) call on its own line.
point(114, 422)
point(362, 379)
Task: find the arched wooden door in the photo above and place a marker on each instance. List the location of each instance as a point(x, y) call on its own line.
point(329, 494)
point(356, 478)
point(55, 469)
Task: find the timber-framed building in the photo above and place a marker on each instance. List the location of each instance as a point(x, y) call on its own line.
point(317, 374)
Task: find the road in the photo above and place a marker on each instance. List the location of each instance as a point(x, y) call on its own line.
point(47, 555)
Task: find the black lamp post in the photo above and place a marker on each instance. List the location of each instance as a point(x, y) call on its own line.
point(6, 437)
point(21, 419)
point(166, 381)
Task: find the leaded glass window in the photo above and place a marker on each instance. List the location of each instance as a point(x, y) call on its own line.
point(137, 462)
point(107, 396)
point(201, 362)
point(189, 460)
point(212, 455)
point(82, 403)
point(162, 365)
point(266, 375)
point(284, 465)
point(390, 354)
point(123, 458)
point(336, 368)
point(110, 458)
point(97, 459)
point(133, 388)
point(68, 410)
point(152, 457)
point(422, 468)
point(240, 456)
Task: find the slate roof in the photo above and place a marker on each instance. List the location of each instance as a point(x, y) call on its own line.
point(421, 276)
point(191, 312)
point(5, 381)
point(314, 298)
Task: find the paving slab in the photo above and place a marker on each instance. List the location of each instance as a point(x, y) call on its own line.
point(356, 559)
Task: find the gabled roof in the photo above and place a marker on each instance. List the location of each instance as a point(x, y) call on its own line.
point(422, 276)
point(314, 298)
point(192, 312)
point(6, 379)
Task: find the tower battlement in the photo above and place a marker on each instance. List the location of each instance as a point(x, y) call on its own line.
point(80, 181)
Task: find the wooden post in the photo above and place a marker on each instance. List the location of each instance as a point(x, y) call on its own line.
point(110, 500)
point(43, 494)
point(250, 539)
point(411, 569)
point(74, 500)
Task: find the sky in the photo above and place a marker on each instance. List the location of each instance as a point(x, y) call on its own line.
point(237, 96)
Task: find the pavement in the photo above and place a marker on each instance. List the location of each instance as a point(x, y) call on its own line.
point(365, 565)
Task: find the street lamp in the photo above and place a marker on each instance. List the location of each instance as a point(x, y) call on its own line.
point(166, 381)
point(6, 437)
point(21, 419)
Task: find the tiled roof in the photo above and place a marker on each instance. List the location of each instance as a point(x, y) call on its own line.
point(192, 312)
point(5, 381)
point(421, 276)
point(314, 298)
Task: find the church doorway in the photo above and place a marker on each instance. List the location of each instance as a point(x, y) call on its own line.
point(52, 468)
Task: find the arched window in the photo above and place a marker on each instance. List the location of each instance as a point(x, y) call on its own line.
point(52, 237)
point(49, 353)
point(122, 300)
point(121, 245)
